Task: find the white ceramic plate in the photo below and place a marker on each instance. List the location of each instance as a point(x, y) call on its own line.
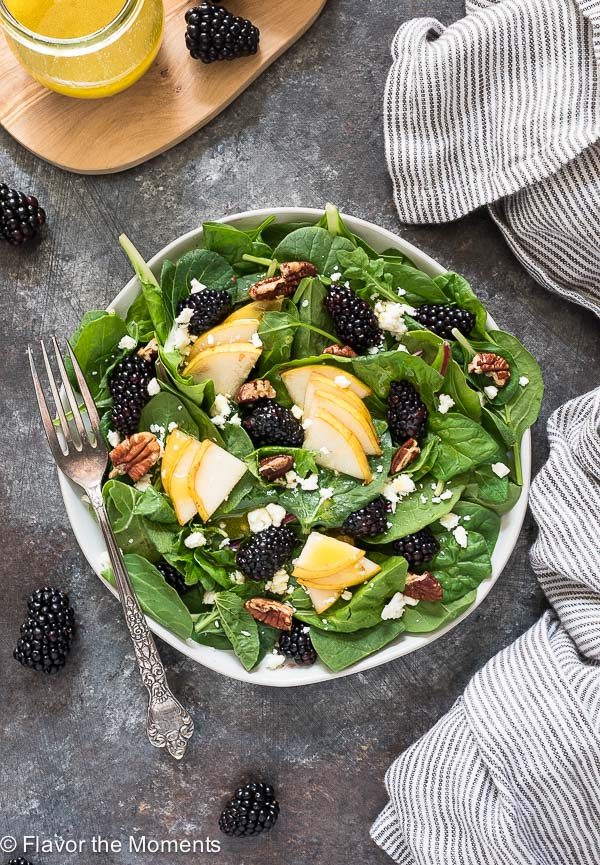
point(90, 539)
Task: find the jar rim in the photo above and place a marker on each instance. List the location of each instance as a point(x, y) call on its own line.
point(19, 31)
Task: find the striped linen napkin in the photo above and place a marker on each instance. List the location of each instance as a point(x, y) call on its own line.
point(503, 109)
point(511, 775)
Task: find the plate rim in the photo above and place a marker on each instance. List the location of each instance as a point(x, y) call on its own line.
point(226, 663)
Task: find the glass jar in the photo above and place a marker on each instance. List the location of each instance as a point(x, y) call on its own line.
point(88, 65)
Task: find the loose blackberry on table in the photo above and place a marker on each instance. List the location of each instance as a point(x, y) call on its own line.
point(441, 318)
point(264, 553)
point(21, 217)
point(128, 385)
point(297, 644)
point(406, 414)
point(173, 577)
point(354, 321)
point(253, 809)
point(213, 33)
point(369, 521)
point(268, 423)
point(417, 548)
point(210, 306)
point(47, 635)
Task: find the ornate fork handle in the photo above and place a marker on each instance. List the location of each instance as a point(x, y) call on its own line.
point(169, 725)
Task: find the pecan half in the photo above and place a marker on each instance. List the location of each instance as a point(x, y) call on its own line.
point(150, 351)
point(135, 456)
point(252, 391)
point(272, 613)
point(340, 351)
point(270, 288)
point(423, 587)
point(275, 467)
point(295, 271)
point(492, 365)
point(405, 455)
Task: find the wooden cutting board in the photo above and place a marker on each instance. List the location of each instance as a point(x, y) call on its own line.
point(176, 97)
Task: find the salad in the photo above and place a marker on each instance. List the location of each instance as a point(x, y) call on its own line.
point(312, 443)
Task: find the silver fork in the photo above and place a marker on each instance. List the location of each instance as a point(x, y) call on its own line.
point(83, 458)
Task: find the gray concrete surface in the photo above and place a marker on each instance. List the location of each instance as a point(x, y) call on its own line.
point(73, 756)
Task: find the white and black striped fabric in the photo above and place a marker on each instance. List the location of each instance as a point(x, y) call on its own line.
point(511, 775)
point(502, 109)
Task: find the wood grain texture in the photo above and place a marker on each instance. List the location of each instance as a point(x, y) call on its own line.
point(175, 98)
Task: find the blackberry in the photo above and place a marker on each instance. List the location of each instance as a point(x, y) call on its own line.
point(269, 423)
point(47, 634)
point(368, 521)
point(441, 318)
point(128, 385)
point(406, 414)
point(213, 33)
point(417, 548)
point(353, 319)
point(209, 306)
point(21, 217)
point(253, 809)
point(172, 577)
point(297, 644)
point(266, 552)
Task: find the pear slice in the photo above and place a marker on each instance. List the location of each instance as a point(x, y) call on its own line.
point(322, 599)
point(324, 382)
point(339, 408)
point(352, 576)
point(324, 555)
point(183, 502)
point(296, 381)
point(228, 366)
point(239, 330)
point(336, 447)
point(256, 309)
point(212, 476)
point(176, 442)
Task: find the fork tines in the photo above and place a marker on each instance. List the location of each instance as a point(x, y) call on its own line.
point(80, 437)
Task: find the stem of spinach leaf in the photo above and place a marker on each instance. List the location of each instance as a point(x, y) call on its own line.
point(255, 259)
point(205, 621)
point(458, 336)
point(516, 449)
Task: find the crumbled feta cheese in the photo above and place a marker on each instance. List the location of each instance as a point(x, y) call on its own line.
point(297, 411)
point(336, 276)
point(310, 483)
point(181, 339)
point(153, 387)
point(275, 661)
point(446, 403)
point(466, 518)
point(159, 431)
point(447, 494)
point(461, 537)
point(245, 633)
point(235, 420)
point(144, 483)
point(224, 543)
point(500, 469)
point(305, 303)
point(307, 423)
point(401, 347)
point(276, 513)
point(374, 349)
point(523, 381)
point(194, 540)
point(390, 316)
point(342, 381)
point(423, 499)
point(279, 583)
point(221, 410)
point(114, 438)
point(436, 500)
point(491, 391)
point(196, 286)
point(379, 469)
point(397, 488)
point(326, 493)
point(209, 598)
point(346, 596)
point(172, 426)
point(256, 340)
point(259, 520)
point(127, 343)
point(238, 578)
point(450, 521)
point(185, 316)
point(394, 609)
point(400, 292)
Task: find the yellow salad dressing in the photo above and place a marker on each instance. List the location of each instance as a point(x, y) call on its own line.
point(115, 59)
